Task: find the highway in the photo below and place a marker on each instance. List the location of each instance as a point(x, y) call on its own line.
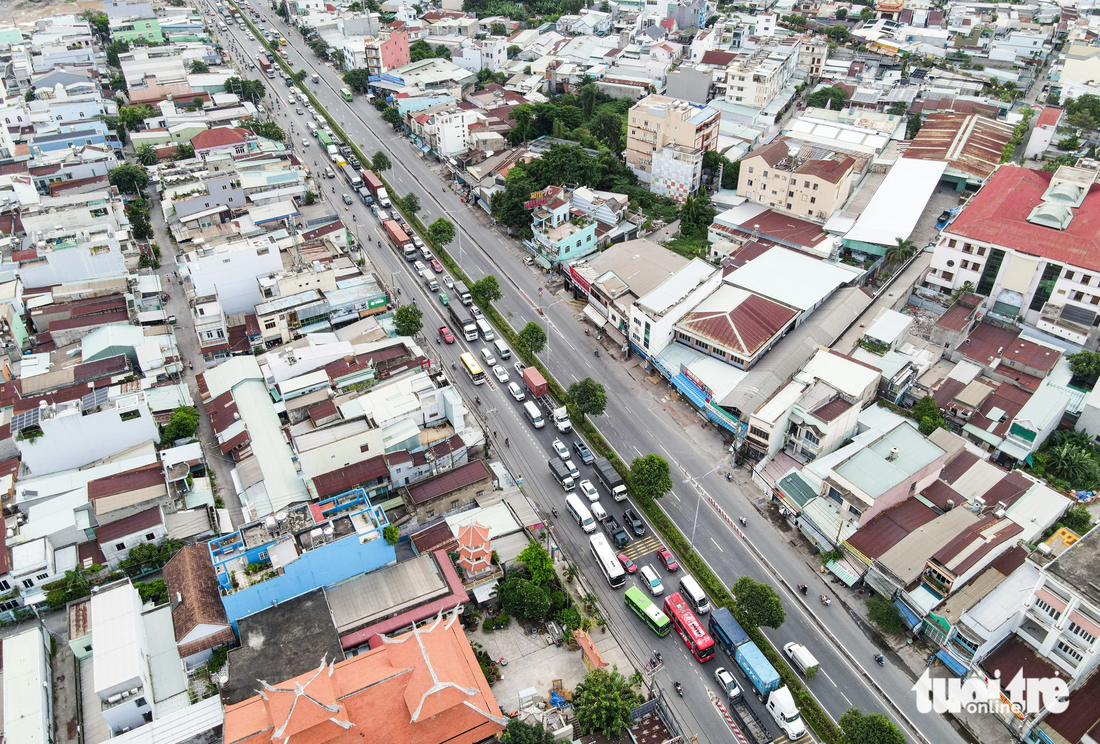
point(848, 678)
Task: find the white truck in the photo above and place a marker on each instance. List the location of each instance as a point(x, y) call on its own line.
point(782, 708)
point(801, 658)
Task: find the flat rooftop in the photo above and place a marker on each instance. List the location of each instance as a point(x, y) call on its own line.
point(387, 591)
point(1080, 565)
point(280, 643)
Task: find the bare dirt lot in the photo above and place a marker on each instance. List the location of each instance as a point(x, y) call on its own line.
point(25, 12)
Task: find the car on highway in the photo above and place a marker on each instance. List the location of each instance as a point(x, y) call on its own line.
point(448, 282)
point(583, 452)
point(666, 559)
point(305, 142)
point(426, 254)
point(298, 111)
point(560, 449)
point(588, 490)
point(347, 199)
point(418, 268)
point(436, 266)
point(628, 565)
point(519, 367)
point(443, 298)
point(516, 391)
point(573, 472)
point(501, 374)
point(637, 526)
point(446, 335)
point(475, 311)
point(312, 111)
point(652, 581)
point(727, 683)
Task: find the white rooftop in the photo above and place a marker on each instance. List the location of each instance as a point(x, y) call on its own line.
point(792, 278)
point(889, 327)
point(899, 202)
point(26, 675)
point(118, 646)
point(677, 287)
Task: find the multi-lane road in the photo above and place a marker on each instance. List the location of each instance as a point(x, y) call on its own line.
point(848, 678)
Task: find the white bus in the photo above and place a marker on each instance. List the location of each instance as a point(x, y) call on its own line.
point(609, 564)
point(580, 512)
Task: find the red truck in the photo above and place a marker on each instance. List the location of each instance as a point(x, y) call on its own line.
point(374, 183)
point(269, 71)
point(400, 240)
point(535, 382)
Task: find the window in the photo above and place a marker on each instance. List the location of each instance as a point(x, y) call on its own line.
point(4, 586)
point(263, 555)
point(855, 511)
point(950, 264)
point(28, 583)
point(806, 184)
point(835, 495)
point(42, 576)
point(454, 503)
point(750, 180)
point(430, 513)
point(1081, 633)
point(364, 447)
point(951, 243)
point(765, 174)
point(981, 250)
point(810, 437)
point(150, 536)
point(759, 433)
point(815, 187)
point(1078, 296)
point(947, 275)
point(1069, 276)
point(813, 200)
point(1086, 279)
point(750, 169)
point(965, 264)
point(269, 325)
point(120, 546)
point(1047, 609)
point(140, 702)
point(1069, 651)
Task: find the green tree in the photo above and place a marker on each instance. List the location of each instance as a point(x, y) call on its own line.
point(267, 129)
point(392, 116)
point(538, 562)
point(520, 732)
point(184, 151)
point(869, 728)
point(901, 108)
point(337, 57)
point(129, 178)
point(357, 79)
point(522, 116)
point(380, 162)
point(391, 533)
point(758, 602)
point(146, 155)
point(866, 14)
point(885, 615)
point(523, 598)
point(926, 411)
point(833, 98)
point(1085, 366)
point(588, 100)
point(149, 556)
point(650, 476)
point(198, 67)
point(442, 232)
point(841, 14)
point(513, 50)
point(298, 76)
point(319, 47)
point(588, 397)
point(912, 126)
point(133, 117)
point(1077, 518)
point(485, 290)
point(182, 425)
point(795, 21)
point(155, 591)
point(498, 29)
point(411, 203)
point(138, 215)
point(1081, 120)
point(246, 88)
point(900, 252)
point(603, 702)
point(1053, 99)
point(408, 320)
point(609, 128)
point(1072, 464)
point(115, 48)
point(532, 337)
point(116, 83)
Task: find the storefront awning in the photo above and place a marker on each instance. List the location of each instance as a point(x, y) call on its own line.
point(907, 615)
point(844, 571)
point(614, 333)
point(951, 662)
point(691, 390)
point(594, 315)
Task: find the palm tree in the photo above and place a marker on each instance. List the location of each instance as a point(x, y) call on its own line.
point(901, 251)
point(146, 155)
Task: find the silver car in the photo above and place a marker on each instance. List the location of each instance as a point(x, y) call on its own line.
point(419, 268)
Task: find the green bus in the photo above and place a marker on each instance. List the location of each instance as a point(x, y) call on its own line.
point(650, 614)
point(345, 94)
point(323, 138)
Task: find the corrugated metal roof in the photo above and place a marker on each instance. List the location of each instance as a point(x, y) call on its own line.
point(968, 142)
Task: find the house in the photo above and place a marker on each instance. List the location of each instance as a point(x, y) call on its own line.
point(447, 492)
point(198, 616)
point(562, 233)
point(117, 538)
point(425, 684)
point(28, 687)
point(232, 141)
point(813, 188)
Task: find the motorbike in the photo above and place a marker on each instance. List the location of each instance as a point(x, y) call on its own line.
point(679, 688)
point(743, 521)
point(554, 510)
point(477, 400)
point(880, 659)
point(729, 476)
point(597, 352)
point(190, 365)
point(826, 600)
point(802, 588)
point(657, 657)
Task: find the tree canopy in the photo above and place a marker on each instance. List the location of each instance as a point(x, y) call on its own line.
point(408, 320)
point(532, 337)
point(926, 411)
point(357, 79)
point(182, 425)
point(588, 397)
point(523, 598)
point(245, 87)
point(520, 732)
point(486, 290)
point(869, 728)
point(1085, 366)
point(538, 562)
point(650, 476)
point(603, 702)
point(834, 98)
point(129, 178)
point(442, 231)
point(380, 162)
point(759, 603)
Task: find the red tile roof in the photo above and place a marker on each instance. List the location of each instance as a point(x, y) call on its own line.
point(745, 329)
point(1049, 117)
point(717, 58)
point(1082, 715)
point(219, 137)
point(832, 409)
point(773, 154)
point(1031, 354)
point(831, 171)
point(193, 588)
point(987, 343)
point(130, 525)
point(451, 480)
point(998, 214)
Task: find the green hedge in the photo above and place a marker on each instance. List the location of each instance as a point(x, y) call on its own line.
point(815, 715)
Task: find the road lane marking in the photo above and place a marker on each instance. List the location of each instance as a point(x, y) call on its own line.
point(825, 674)
point(717, 545)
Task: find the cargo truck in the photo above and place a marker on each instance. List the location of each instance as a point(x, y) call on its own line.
point(540, 391)
point(374, 183)
point(399, 239)
point(351, 176)
point(782, 708)
point(757, 668)
point(801, 658)
point(265, 65)
point(751, 725)
point(610, 478)
point(560, 472)
point(726, 631)
point(463, 293)
point(463, 320)
point(616, 532)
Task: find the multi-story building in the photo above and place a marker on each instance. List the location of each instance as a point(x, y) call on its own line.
point(812, 53)
point(1029, 241)
point(387, 52)
point(657, 121)
point(772, 175)
point(562, 233)
point(482, 54)
point(755, 78)
point(677, 171)
point(210, 327)
point(148, 28)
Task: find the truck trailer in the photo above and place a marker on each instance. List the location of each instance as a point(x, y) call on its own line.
point(374, 183)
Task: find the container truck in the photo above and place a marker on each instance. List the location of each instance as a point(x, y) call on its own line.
point(801, 657)
point(610, 478)
point(782, 708)
point(351, 176)
point(757, 669)
point(560, 472)
point(398, 237)
point(540, 391)
point(726, 631)
point(374, 183)
point(265, 65)
point(463, 321)
point(751, 725)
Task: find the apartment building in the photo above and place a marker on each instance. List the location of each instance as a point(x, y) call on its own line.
point(774, 176)
point(386, 52)
point(755, 78)
point(657, 121)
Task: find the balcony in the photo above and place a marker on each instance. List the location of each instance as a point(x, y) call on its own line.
point(1034, 630)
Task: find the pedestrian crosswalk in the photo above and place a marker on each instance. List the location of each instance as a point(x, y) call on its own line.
point(641, 547)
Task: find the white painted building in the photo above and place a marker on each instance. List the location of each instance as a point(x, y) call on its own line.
point(654, 315)
point(480, 54)
point(229, 271)
point(677, 171)
point(28, 687)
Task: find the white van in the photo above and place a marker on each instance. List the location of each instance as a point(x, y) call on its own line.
point(580, 512)
point(531, 411)
point(487, 355)
point(485, 329)
point(598, 511)
point(695, 595)
point(502, 349)
point(652, 581)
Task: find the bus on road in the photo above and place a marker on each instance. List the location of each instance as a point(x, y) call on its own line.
point(345, 94)
point(688, 626)
point(605, 556)
point(473, 369)
point(650, 614)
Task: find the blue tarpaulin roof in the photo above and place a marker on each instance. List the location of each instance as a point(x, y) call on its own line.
point(691, 390)
point(907, 615)
point(951, 662)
